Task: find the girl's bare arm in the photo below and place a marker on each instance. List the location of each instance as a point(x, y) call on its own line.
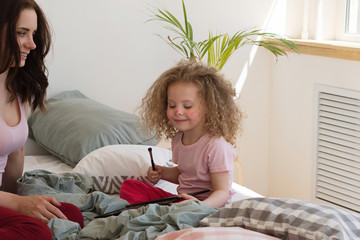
point(220, 187)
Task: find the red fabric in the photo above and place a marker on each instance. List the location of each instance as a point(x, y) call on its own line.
point(136, 191)
point(72, 212)
point(17, 226)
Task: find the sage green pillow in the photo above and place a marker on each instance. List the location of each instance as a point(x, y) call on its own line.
point(75, 125)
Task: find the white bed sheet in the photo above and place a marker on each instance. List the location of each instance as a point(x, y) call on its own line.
point(53, 164)
point(46, 162)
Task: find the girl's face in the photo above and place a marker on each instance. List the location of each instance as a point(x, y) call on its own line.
point(25, 31)
point(185, 108)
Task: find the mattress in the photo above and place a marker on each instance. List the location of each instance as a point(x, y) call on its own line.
point(53, 164)
point(249, 216)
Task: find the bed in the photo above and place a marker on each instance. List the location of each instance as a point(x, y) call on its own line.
point(92, 148)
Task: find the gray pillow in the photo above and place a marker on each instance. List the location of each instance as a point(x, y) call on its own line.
point(75, 125)
point(288, 218)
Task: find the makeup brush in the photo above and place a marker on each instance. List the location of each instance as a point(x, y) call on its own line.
point(151, 158)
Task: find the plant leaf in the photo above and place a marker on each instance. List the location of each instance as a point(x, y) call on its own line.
point(221, 47)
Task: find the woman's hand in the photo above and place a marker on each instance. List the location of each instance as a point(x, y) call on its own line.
point(40, 207)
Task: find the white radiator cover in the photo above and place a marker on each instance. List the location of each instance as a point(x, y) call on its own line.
point(338, 147)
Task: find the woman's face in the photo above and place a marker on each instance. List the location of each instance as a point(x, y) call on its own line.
point(25, 30)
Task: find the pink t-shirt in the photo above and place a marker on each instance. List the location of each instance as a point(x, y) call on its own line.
point(12, 138)
point(197, 161)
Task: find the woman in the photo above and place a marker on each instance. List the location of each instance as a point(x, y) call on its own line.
point(25, 40)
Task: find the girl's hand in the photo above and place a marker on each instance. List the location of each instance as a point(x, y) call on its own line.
point(40, 207)
point(155, 176)
point(187, 197)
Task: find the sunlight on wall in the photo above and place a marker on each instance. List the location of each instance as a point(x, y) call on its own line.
point(274, 22)
point(319, 21)
point(325, 14)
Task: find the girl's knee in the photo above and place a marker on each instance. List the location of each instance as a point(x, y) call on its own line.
point(130, 182)
point(128, 185)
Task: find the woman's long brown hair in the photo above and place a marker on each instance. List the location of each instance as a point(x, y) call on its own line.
point(29, 82)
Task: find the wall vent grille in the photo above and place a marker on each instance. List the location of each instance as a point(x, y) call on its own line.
point(338, 147)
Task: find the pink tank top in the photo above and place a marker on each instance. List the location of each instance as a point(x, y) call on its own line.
point(12, 138)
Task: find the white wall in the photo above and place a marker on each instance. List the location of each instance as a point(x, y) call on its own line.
point(292, 106)
point(253, 147)
point(277, 147)
point(106, 46)
point(105, 50)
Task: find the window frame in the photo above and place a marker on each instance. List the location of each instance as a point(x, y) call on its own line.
point(340, 28)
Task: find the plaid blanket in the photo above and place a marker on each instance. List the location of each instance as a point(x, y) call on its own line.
point(288, 219)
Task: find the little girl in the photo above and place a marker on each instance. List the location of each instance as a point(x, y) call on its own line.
point(193, 105)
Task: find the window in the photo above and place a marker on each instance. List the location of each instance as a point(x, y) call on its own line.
point(352, 21)
point(326, 23)
point(348, 20)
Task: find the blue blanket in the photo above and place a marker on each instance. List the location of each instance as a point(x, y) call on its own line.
point(144, 223)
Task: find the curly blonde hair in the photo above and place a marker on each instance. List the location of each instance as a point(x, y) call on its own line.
point(222, 117)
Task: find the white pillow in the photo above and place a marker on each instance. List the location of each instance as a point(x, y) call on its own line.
point(109, 166)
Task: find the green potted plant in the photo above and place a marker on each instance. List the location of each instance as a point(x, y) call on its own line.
point(217, 48)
